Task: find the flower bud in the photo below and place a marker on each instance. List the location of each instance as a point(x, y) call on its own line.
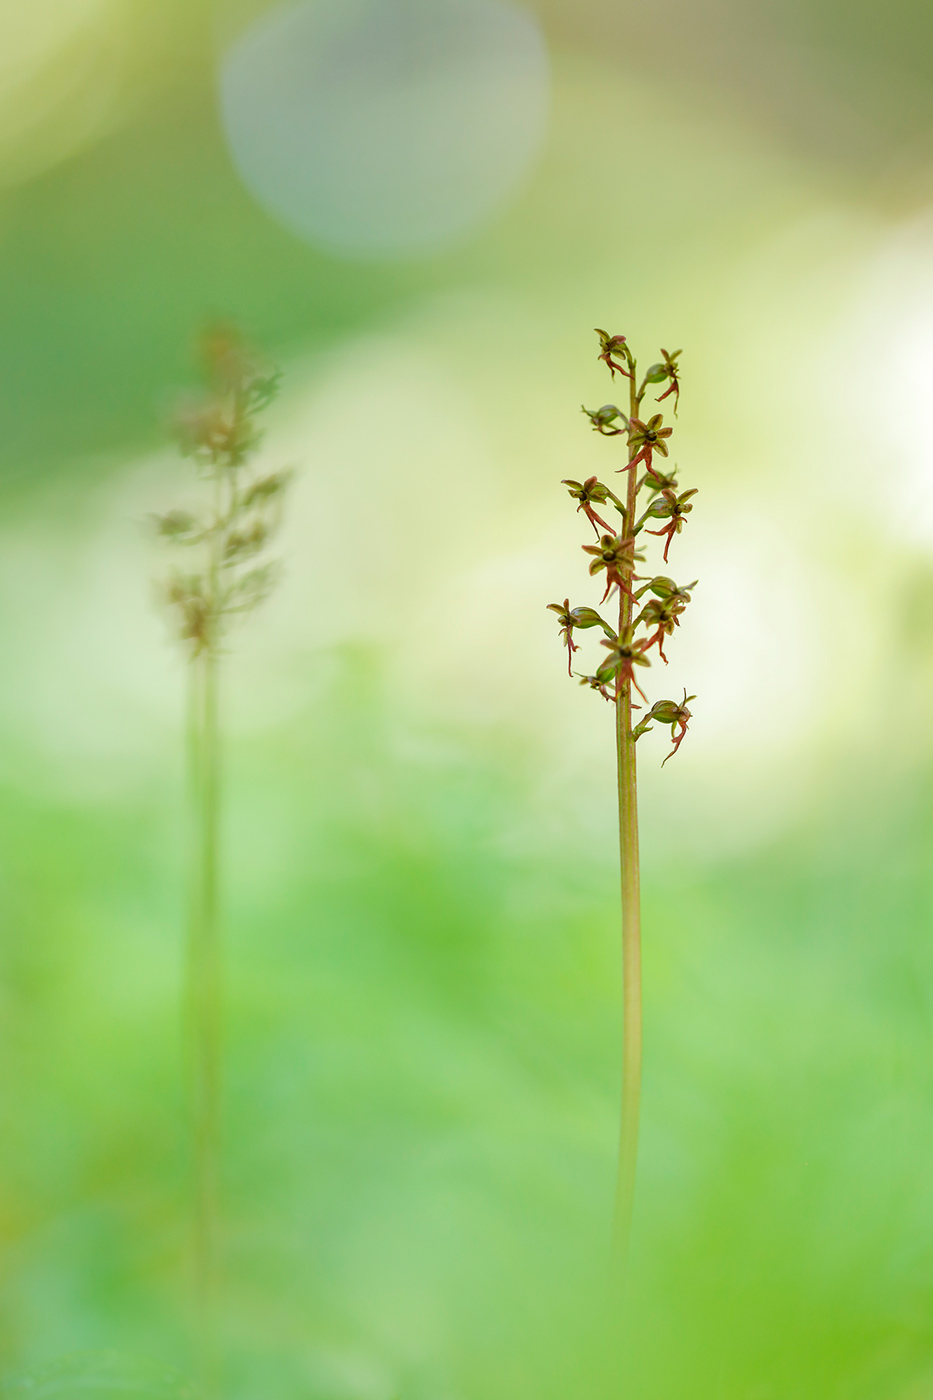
point(665, 588)
point(660, 481)
point(659, 509)
point(589, 617)
point(666, 711)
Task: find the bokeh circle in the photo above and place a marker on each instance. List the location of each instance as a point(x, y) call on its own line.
point(385, 128)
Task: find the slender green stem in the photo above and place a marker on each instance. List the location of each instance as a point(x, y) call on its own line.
point(631, 919)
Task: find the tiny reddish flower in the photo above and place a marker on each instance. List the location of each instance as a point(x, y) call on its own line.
point(615, 554)
point(565, 618)
point(625, 652)
point(673, 509)
point(569, 618)
point(602, 418)
point(673, 373)
point(672, 712)
point(609, 347)
point(647, 438)
point(663, 614)
point(666, 369)
point(601, 681)
point(586, 492)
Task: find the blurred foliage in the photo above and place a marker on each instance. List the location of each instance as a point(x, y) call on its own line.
point(421, 1088)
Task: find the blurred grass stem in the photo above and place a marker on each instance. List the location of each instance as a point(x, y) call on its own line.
point(204, 983)
point(228, 580)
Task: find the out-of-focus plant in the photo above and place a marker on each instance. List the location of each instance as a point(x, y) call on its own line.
point(224, 577)
point(647, 616)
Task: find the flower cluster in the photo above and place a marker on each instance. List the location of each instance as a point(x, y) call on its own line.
point(218, 430)
point(650, 607)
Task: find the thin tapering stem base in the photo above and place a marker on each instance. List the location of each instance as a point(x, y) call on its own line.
point(631, 981)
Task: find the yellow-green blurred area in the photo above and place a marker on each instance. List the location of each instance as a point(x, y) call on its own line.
point(421, 927)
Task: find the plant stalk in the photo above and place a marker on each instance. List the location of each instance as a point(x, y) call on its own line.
point(204, 993)
point(631, 917)
point(226, 531)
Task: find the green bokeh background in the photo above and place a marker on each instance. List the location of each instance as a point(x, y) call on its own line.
point(423, 1001)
